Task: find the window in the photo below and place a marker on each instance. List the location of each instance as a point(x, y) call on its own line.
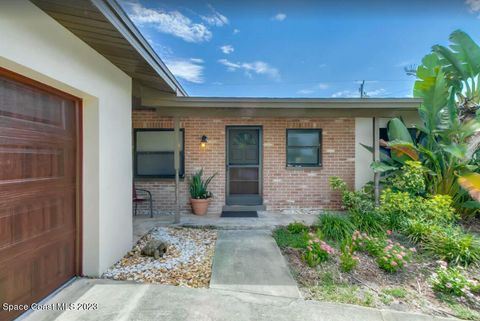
point(304, 147)
point(154, 153)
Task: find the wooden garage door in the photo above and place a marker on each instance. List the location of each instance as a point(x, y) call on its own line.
point(38, 190)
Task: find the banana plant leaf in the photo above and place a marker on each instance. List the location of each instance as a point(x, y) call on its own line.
point(382, 167)
point(403, 151)
point(471, 182)
point(397, 131)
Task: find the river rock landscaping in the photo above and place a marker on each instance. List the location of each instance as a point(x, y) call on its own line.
point(186, 262)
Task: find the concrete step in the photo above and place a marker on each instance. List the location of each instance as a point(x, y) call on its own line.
point(244, 208)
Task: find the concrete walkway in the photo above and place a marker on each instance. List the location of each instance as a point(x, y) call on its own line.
point(250, 261)
point(126, 301)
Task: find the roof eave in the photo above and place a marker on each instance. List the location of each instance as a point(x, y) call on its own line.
point(119, 19)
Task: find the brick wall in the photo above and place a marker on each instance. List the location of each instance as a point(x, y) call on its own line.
point(283, 188)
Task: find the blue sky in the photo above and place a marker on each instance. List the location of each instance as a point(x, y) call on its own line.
point(298, 48)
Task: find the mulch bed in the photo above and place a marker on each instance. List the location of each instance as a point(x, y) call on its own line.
point(370, 281)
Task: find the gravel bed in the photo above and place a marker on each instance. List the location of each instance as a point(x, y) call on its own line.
point(187, 262)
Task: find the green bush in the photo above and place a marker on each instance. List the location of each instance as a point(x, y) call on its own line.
point(297, 227)
point(336, 227)
point(397, 207)
point(451, 244)
point(438, 209)
point(410, 179)
point(361, 200)
point(369, 222)
point(418, 231)
point(285, 238)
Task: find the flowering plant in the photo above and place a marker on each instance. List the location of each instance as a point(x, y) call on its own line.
point(451, 280)
point(317, 251)
point(390, 256)
point(394, 257)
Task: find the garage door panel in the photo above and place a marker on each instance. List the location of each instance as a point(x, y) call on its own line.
point(37, 216)
point(24, 102)
point(38, 184)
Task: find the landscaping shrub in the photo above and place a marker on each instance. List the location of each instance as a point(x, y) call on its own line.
point(418, 231)
point(285, 238)
point(297, 227)
point(348, 261)
point(394, 257)
point(410, 178)
point(368, 222)
point(336, 227)
point(453, 245)
point(397, 207)
point(361, 200)
point(317, 251)
point(450, 280)
point(438, 209)
point(390, 256)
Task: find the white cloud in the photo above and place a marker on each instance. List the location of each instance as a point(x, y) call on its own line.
point(279, 16)
point(356, 94)
point(235, 31)
point(322, 65)
point(227, 49)
point(474, 5)
point(319, 86)
point(305, 91)
point(258, 67)
point(346, 94)
point(215, 18)
point(323, 86)
point(188, 69)
point(377, 92)
point(170, 22)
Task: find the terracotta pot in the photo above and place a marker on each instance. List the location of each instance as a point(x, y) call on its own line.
point(199, 206)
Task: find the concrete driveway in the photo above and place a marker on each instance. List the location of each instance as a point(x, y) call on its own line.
point(128, 301)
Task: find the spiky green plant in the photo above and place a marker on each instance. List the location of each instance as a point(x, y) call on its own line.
point(199, 186)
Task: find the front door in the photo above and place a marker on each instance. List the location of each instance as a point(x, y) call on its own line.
point(243, 165)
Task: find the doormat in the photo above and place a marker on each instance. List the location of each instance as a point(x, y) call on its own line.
point(239, 214)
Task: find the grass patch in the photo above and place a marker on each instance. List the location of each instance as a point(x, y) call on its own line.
point(398, 293)
point(464, 312)
point(285, 238)
point(333, 290)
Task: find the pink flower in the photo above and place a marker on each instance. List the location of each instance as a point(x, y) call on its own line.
point(399, 257)
point(448, 285)
point(412, 249)
point(393, 263)
point(402, 253)
point(389, 232)
point(317, 241)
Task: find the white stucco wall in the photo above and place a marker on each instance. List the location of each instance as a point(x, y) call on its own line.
point(364, 135)
point(35, 45)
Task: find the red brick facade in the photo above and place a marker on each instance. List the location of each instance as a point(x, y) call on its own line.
point(283, 188)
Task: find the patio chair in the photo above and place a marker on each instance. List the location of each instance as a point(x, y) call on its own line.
point(138, 199)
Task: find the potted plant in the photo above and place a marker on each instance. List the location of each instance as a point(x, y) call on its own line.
point(199, 194)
